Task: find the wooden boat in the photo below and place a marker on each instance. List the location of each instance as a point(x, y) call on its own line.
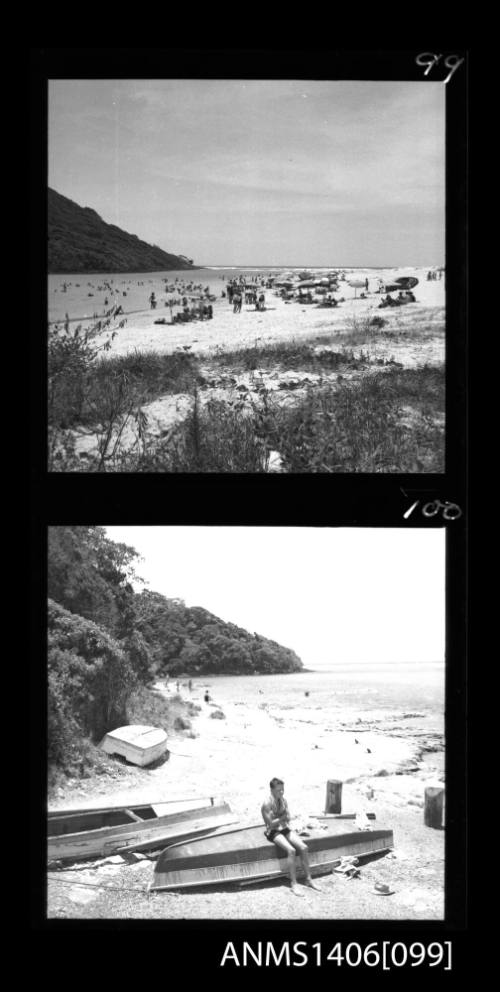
point(93, 833)
point(138, 744)
point(245, 855)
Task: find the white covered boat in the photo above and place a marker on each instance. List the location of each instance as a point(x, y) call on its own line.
point(138, 744)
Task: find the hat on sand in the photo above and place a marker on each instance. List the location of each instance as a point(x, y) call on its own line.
point(380, 889)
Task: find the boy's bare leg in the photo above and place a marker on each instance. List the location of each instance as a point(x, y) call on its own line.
point(301, 848)
point(282, 842)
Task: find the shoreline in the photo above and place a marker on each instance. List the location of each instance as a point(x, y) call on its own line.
point(258, 745)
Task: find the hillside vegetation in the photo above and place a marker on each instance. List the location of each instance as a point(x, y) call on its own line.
point(107, 643)
point(79, 241)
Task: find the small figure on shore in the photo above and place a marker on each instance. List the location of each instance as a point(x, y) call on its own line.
point(206, 697)
point(368, 750)
point(190, 685)
point(366, 285)
point(356, 740)
point(152, 301)
point(177, 686)
point(276, 816)
point(306, 694)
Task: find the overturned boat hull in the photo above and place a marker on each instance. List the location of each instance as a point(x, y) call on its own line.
point(86, 834)
point(138, 744)
point(245, 855)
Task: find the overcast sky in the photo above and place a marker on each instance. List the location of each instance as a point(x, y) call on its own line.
point(332, 595)
point(254, 172)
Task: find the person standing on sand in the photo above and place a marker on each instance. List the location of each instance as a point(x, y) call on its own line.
point(276, 816)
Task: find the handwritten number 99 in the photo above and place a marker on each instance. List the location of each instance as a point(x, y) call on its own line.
point(451, 62)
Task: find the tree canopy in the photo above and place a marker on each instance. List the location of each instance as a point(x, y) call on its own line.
point(105, 639)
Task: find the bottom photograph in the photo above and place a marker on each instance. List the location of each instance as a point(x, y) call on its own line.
point(246, 723)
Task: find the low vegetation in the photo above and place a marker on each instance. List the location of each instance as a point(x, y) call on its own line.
point(388, 419)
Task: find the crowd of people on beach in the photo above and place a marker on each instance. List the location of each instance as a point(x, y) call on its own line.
point(190, 301)
point(238, 289)
point(404, 296)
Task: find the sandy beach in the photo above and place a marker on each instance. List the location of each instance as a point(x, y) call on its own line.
point(384, 760)
point(410, 337)
point(281, 320)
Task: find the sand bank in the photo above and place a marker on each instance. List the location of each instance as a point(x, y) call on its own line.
point(279, 322)
point(233, 758)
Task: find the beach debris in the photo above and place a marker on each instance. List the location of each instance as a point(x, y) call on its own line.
point(348, 867)
point(362, 822)
point(382, 889)
point(275, 463)
point(368, 750)
point(217, 715)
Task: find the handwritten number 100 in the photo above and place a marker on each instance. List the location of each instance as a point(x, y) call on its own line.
point(451, 62)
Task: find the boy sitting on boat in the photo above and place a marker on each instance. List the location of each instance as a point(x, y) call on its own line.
point(276, 815)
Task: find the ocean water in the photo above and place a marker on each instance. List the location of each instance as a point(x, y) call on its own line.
point(85, 294)
point(341, 691)
point(356, 721)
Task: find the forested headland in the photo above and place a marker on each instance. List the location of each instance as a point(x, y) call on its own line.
point(108, 643)
point(80, 241)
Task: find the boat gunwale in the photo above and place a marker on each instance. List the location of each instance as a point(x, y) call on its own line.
point(144, 834)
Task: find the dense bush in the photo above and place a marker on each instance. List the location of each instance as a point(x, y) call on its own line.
point(90, 679)
point(191, 640)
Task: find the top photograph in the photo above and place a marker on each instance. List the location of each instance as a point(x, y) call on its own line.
point(246, 276)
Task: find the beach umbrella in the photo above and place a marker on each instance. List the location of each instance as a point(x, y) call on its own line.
point(356, 284)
